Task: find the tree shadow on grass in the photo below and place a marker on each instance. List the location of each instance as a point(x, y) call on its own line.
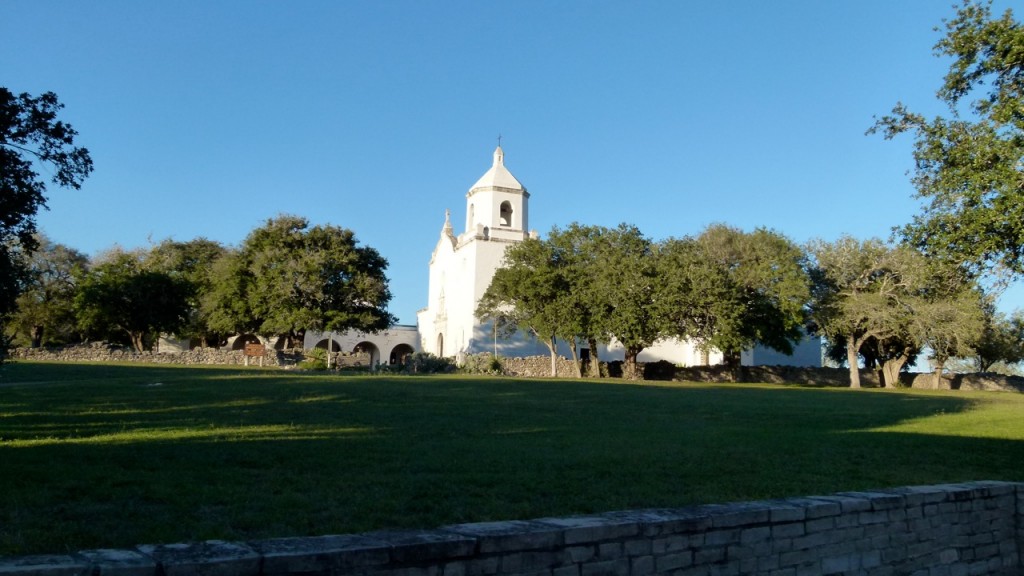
point(256, 456)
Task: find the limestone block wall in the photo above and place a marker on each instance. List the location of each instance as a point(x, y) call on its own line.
point(103, 353)
point(536, 367)
point(972, 528)
point(199, 356)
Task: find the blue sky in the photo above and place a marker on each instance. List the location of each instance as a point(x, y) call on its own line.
point(207, 118)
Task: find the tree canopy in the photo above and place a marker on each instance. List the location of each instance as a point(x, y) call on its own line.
point(726, 289)
point(288, 277)
point(621, 291)
point(192, 262)
point(528, 292)
point(968, 163)
point(1002, 340)
point(120, 295)
point(45, 308)
point(732, 290)
point(893, 297)
point(30, 134)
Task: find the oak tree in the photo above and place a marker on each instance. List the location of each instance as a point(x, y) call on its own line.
point(526, 292)
point(622, 290)
point(894, 298)
point(120, 296)
point(1002, 340)
point(45, 308)
point(968, 163)
point(288, 277)
point(191, 261)
point(732, 290)
point(32, 140)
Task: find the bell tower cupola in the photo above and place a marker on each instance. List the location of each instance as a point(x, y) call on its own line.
point(497, 205)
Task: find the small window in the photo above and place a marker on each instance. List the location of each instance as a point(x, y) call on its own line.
point(505, 215)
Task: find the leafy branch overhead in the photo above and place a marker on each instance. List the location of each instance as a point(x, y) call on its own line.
point(31, 134)
point(969, 164)
point(32, 139)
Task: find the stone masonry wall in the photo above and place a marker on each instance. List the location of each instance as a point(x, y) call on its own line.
point(101, 352)
point(947, 530)
point(536, 367)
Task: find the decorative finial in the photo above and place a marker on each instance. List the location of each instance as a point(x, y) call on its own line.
point(499, 140)
point(499, 154)
point(446, 231)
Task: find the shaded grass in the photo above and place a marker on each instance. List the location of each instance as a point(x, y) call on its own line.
point(112, 456)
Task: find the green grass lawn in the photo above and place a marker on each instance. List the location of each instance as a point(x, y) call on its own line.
point(111, 456)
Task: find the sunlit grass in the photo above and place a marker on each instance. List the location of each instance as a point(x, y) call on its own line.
point(103, 455)
point(211, 434)
point(994, 415)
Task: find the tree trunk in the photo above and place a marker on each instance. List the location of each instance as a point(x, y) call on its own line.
point(575, 358)
point(138, 341)
point(985, 364)
point(595, 362)
point(553, 347)
point(629, 368)
point(37, 336)
point(851, 360)
point(891, 371)
point(940, 364)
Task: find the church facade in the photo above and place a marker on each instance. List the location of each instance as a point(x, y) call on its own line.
point(460, 270)
point(462, 265)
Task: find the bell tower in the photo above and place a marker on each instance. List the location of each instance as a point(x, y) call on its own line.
point(497, 206)
point(461, 267)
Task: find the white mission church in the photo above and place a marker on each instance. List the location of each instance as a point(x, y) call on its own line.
point(461, 268)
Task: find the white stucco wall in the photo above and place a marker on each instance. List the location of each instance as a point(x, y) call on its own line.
point(678, 352)
point(807, 353)
point(461, 267)
point(383, 343)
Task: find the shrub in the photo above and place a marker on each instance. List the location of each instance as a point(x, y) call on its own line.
point(660, 370)
point(427, 363)
point(316, 359)
point(612, 369)
point(483, 363)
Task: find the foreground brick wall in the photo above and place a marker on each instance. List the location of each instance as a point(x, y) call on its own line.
point(946, 530)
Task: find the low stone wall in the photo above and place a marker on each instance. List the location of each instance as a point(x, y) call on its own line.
point(101, 352)
point(540, 367)
point(972, 528)
point(978, 381)
point(770, 374)
point(536, 367)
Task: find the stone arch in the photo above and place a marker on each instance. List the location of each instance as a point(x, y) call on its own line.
point(505, 214)
point(322, 345)
point(243, 339)
point(371, 349)
point(400, 353)
point(440, 344)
